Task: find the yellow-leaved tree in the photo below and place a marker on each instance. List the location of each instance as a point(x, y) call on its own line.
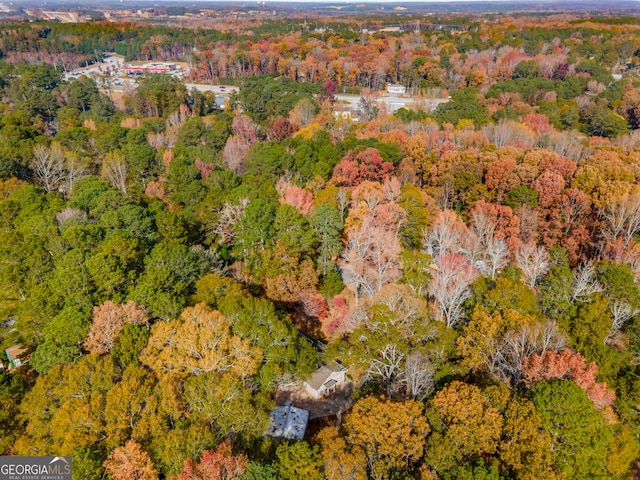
point(200, 341)
point(390, 435)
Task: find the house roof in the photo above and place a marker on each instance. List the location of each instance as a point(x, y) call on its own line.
point(323, 373)
point(288, 422)
point(14, 352)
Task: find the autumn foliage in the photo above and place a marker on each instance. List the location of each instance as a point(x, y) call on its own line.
point(218, 464)
point(365, 165)
point(130, 461)
point(566, 365)
point(108, 321)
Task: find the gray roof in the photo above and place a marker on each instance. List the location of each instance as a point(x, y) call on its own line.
point(323, 373)
point(288, 422)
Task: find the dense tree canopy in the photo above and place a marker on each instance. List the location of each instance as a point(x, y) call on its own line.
point(173, 270)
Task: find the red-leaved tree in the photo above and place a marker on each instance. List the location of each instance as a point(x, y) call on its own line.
point(281, 128)
point(365, 165)
point(218, 464)
point(297, 197)
point(567, 366)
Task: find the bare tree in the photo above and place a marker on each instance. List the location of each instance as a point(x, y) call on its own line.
point(115, 169)
point(370, 258)
point(524, 342)
point(388, 365)
point(69, 213)
point(533, 261)
point(356, 271)
point(449, 287)
point(391, 189)
point(234, 153)
point(566, 144)
point(367, 106)
point(528, 223)
point(303, 112)
point(76, 169)
point(49, 166)
point(496, 257)
point(621, 312)
point(447, 235)
point(584, 283)
point(418, 376)
point(228, 218)
point(343, 201)
point(488, 254)
point(622, 218)
point(507, 131)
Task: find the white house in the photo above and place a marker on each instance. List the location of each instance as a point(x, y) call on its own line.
point(326, 379)
point(396, 89)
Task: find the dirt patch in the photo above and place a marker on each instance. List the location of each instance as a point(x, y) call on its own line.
point(335, 404)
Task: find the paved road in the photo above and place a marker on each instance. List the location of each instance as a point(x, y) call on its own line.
point(392, 103)
point(226, 89)
point(119, 84)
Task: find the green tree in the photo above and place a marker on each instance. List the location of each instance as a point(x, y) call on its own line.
point(299, 460)
point(33, 91)
point(63, 338)
point(159, 96)
point(284, 352)
point(464, 105)
point(328, 225)
point(169, 276)
point(226, 403)
point(555, 289)
point(130, 343)
point(268, 158)
point(526, 69)
point(255, 471)
point(580, 436)
point(412, 231)
point(12, 390)
point(87, 464)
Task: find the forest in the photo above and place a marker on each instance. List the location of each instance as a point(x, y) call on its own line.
point(167, 266)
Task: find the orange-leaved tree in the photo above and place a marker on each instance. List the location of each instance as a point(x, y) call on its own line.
point(130, 462)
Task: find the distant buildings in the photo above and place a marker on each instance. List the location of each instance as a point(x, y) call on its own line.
point(396, 89)
point(152, 68)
